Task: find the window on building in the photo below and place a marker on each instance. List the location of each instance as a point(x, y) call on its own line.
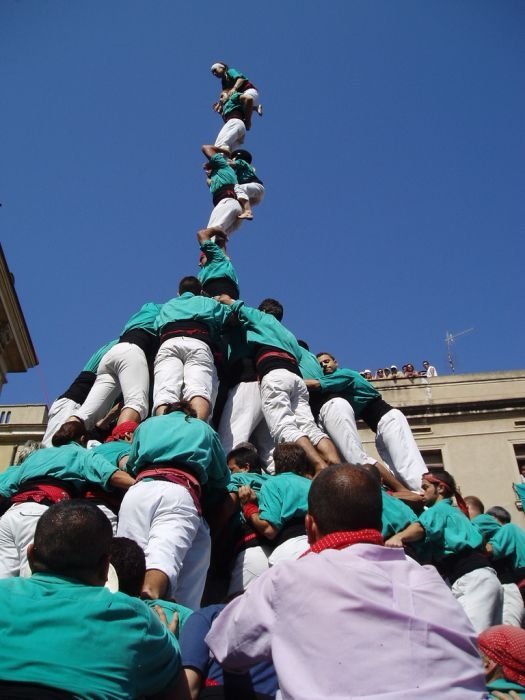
point(519, 453)
point(433, 459)
point(7, 417)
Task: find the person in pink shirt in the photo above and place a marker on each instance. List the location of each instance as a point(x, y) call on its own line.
point(351, 618)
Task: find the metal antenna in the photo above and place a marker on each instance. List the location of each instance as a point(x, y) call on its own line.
point(449, 340)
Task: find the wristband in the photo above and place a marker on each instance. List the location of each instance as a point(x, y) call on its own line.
point(250, 509)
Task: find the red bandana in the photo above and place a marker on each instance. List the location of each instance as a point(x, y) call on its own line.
point(345, 538)
point(506, 646)
point(118, 432)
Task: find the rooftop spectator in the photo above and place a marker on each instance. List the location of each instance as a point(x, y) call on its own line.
point(428, 370)
point(379, 373)
point(409, 371)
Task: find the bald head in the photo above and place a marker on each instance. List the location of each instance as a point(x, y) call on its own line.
point(345, 497)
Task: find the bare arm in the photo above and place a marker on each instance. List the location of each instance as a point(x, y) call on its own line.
point(121, 480)
point(209, 150)
point(312, 384)
point(413, 533)
point(248, 497)
point(206, 234)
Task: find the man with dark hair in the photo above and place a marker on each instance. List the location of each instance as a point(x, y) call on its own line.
point(217, 274)
point(394, 440)
point(73, 619)
point(189, 327)
point(363, 607)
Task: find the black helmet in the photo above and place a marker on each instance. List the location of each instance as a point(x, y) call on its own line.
point(243, 155)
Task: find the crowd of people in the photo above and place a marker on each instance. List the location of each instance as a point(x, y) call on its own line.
point(407, 372)
point(201, 519)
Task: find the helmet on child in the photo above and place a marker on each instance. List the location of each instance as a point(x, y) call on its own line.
point(242, 155)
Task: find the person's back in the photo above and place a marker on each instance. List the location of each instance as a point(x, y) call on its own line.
point(352, 619)
point(61, 627)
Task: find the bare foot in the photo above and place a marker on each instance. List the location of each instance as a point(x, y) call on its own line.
point(246, 215)
point(259, 110)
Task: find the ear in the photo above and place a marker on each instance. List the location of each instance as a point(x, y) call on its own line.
point(312, 531)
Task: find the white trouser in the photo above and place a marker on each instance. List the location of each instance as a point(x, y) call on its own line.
point(290, 549)
point(241, 414)
point(254, 94)
point(513, 608)
point(251, 191)
point(337, 419)
point(231, 135)
point(17, 530)
point(480, 594)
point(163, 519)
point(249, 565)
point(184, 369)
point(225, 215)
point(123, 368)
point(60, 411)
point(285, 406)
point(397, 447)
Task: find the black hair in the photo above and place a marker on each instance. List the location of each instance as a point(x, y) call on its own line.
point(272, 307)
point(290, 457)
point(303, 344)
point(190, 284)
point(501, 514)
point(447, 479)
point(246, 455)
point(345, 497)
point(129, 561)
point(182, 407)
point(318, 355)
point(72, 538)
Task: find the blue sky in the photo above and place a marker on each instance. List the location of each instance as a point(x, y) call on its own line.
point(392, 151)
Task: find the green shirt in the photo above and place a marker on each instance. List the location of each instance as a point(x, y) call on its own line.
point(232, 103)
point(94, 361)
point(283, 497)
point(83, 639)
point(113, 451)
point(509, 541)
point(351, 386)
point(189, 307)
point(487, 525)
point(144, 318)
point(71, 463)
point(396, 515)
point(221, 173)
point(252, 479)
point(169, 608)
point(265, 329)
point(176, 437)
point(217, 264)
point(244, 171)
point(309, 365)
point(505, 686)
point(448, 530)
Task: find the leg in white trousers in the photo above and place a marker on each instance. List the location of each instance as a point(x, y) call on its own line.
point(241, 415)
point(480, 594)
point(17, 530)
point(512, 605)
point(251, 191)
point(163, 519)
point(123, 368)
point(397, 447)
point(285, 406)
point(248, 566)
point(291, 549)
point(231, 135)
point(225, 215)
point(337, 419)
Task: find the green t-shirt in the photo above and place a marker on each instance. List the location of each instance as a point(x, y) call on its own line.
point(309, 365)
point(284, 497)
point(252, 479)
point(113, 451)
point(94, 361)
point(71, 463)
point(509, 541)
point(217, 265)
point(169, 607)
point(448, 530)
point(83, 639)
point(189, 307)
point(176, 437)
point(396, 515)
point(144, 318)
point(221, 173)
point(244, 171)
point(351, 386)
point(487, 525)
point(232, 103)
point(265, 329)
point(504, 686)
